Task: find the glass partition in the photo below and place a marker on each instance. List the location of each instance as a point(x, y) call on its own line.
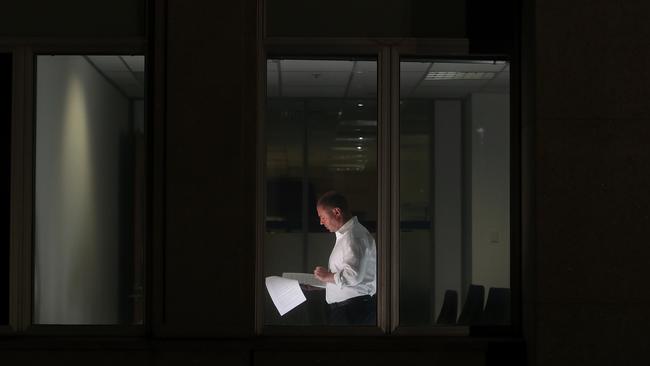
point(89, 190)
point(454, 192)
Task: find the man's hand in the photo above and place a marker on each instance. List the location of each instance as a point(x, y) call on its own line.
point(323, 274)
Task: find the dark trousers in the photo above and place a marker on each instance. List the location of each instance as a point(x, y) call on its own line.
point(360, 310)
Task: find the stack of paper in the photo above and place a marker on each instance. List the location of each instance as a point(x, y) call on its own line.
point(304, 279)
point(285, 291)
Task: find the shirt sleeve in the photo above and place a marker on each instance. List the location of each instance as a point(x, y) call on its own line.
point(351, 267)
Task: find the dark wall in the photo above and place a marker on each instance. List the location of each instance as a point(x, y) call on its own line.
point(76, 18)
point(365, 18)
point(592, 182)
point(591, 200)
point(210, 168)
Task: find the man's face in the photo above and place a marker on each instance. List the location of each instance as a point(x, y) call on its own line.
point(331, 218)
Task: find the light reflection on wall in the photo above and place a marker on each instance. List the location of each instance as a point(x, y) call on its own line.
point(80, 121)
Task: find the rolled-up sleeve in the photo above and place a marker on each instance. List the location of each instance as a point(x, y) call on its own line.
point(350, 271)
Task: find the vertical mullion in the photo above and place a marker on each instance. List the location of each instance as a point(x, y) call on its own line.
point(260, 176)
point(384, 192)
point(27, 192)
point(394, 73)
point(17, 186)
point(156, 134)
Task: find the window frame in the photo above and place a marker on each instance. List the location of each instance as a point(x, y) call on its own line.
point(428, 51)
point(389, 53)
point(23, 183)
point(151, 44)
point(14, 185)
point(325, 49)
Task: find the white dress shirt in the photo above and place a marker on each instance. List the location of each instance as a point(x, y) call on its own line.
point(353, 262)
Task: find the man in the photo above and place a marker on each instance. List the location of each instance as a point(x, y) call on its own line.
point(350, 278)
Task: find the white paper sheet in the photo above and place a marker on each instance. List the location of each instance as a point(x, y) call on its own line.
point(304, 279)
point(285, 293)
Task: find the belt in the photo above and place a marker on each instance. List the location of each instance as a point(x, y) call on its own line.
point(351, 300)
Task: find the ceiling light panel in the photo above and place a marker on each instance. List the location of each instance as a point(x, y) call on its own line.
point(458, 75)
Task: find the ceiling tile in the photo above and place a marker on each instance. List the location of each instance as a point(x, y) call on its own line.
point(315, 78)
point(315, 65)
point(414, 66)
point(108, 63)
point(136, 63)
point(313, 92)
point(472, 67)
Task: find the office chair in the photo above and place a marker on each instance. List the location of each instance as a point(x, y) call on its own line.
point(497, 307)
point(449, 309)
point(473, 307)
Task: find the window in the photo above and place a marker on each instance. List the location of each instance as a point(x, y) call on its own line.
point(454, 248)
point(89, 190)
point(321, 135)
point(435, 177)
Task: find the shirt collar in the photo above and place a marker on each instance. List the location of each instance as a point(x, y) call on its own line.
point(347, 226)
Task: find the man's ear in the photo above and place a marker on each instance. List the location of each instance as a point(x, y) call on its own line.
point(336, 211)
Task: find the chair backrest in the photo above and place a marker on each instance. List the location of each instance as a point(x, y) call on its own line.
point(449, 308)
point(497, 307)
point(473, 307)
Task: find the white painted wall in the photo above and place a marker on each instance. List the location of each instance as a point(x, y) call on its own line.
point(490, 193)
point(80, 119)
point(447, 199)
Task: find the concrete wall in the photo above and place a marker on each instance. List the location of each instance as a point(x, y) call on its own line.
point(81, 123)
point(592, 160)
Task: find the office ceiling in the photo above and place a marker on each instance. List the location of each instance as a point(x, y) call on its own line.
point(329, 107)
point(358, 79)
point(126, 73)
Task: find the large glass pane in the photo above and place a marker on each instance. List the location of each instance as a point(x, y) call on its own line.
point(454, 192)
point(321, 135)
point(5, 186)
point(89, 190)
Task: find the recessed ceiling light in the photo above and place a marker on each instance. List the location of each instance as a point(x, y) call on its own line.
point(458, 75)
point(359, 104)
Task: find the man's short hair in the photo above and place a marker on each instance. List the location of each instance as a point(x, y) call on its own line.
point(333, 199)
